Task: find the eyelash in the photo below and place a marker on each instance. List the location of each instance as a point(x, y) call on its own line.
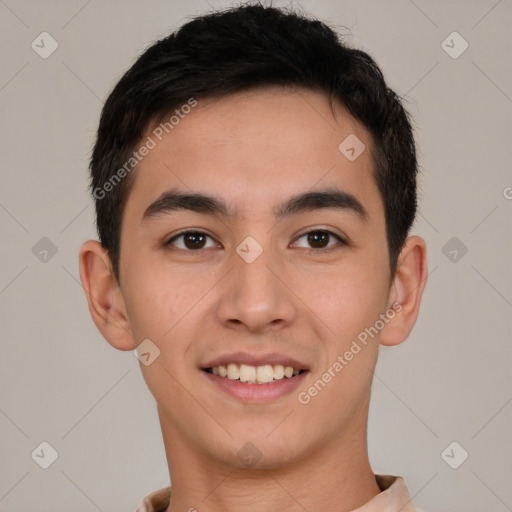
point(325, 231)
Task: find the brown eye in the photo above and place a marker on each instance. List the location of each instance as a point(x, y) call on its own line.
point(190, 240)
point(320, 239)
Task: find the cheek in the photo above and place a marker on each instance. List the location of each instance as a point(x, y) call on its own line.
point(155, 305)
point(163, 310)
point(348, 299)
point(349, 304)
point(167, 308)
point(353, 304)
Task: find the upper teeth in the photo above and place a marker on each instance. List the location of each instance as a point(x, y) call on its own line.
point(255, 374)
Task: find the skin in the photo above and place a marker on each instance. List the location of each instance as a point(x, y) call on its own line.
point(256, 149)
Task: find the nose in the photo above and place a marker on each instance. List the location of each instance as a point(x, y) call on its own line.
point(255, 296)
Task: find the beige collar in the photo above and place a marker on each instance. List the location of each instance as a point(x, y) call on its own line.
point(393, 498)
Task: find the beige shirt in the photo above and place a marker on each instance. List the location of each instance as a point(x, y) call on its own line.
point(393, 498)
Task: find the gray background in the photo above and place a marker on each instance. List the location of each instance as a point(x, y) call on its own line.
point(60, 382)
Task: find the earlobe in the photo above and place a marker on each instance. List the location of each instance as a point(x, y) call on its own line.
point(104, 297)
point(406, 290)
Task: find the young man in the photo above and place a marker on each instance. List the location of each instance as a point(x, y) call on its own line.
point(255, 183)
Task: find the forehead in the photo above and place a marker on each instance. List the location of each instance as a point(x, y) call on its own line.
point(254, 148)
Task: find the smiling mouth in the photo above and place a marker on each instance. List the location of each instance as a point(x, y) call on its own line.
point(264, 374)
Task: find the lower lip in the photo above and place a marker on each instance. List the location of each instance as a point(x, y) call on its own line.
point(257, 392)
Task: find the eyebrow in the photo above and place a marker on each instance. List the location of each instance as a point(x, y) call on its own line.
point(328, 198)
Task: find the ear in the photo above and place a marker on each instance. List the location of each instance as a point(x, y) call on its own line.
point(406, 291)
point(104, 297)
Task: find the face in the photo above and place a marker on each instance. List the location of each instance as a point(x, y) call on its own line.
point(256, 271)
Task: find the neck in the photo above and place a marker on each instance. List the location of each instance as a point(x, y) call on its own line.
point(336, 477)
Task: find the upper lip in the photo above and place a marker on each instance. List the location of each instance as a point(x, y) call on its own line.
point(254, 360)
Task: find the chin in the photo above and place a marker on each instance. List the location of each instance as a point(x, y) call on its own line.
point(257, 452)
